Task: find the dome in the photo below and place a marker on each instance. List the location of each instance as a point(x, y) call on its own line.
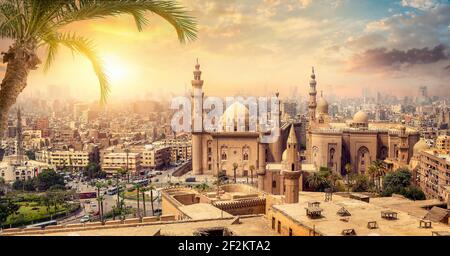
point(322, 106)
point(420, 146)
point(360, 117)
point(232, 115)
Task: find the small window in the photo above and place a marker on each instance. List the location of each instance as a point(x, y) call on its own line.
point(274, 184)
point(290, 231)
point(279, 227)
point(273, 222)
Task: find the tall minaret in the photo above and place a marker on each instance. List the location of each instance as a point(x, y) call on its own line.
point(197, 121)
point(312, 97)
point(19, 152)
point(404, 147)
point(292, 169)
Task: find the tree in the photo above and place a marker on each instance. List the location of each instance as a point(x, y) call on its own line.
point(137, 188)
point(100, 198)
point(235, 166)
point(414, 193)
point(30, 154)
point(7, 207)
point(93, 171)
point(396, 181)
point(36, 24)
point(151, 187)
point(317, 182)
point(361, 183)
point(48, 178)
point(143, 190)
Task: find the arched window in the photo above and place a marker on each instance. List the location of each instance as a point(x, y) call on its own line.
point(363, 159)
point(245, 153)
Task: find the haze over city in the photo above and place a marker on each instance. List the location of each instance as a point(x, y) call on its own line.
point(249, 47)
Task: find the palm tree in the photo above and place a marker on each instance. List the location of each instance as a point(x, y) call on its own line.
point(143, 190)
point(120, 173)
point(235, 166)
point(151, 187)
point(100, 198)
point(137, 187)
point(348, 171)
point(372, 172)
point(316, 181)
point(252, 169)
point(32, 25)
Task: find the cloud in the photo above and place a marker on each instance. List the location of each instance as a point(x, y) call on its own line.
point(383, 59)
point(421, 4)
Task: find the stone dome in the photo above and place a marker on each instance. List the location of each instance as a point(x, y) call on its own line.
point(232, 115)
point(420, 146)
point(322, 106)
point(360, 117)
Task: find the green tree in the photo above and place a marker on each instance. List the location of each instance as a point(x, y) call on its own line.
point(414, 193)
point(48, 178)
point(137, 187)
point(93, 171)
point(7, 207)
point(32, 25)
point(30, 154)
point(100, 198)
point(361, 183)
point(317, 182)
point(396, 181)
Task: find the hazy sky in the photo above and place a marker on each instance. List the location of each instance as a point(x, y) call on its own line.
point(261, 46)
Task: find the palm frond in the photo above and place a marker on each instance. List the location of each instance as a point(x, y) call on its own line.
point(81, 45)
point(171, 11)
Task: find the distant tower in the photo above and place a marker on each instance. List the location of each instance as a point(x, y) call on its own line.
point(197, 116)
point(19, 152)
point(261, 164)
point(312, 97)
point(404, 147)
point(291, 169)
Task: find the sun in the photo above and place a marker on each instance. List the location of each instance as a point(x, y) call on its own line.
point(115, 69)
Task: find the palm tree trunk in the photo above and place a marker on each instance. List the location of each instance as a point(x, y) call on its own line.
point(143, 203)
point(20, 59)
point(138, 208)
point(151, 199)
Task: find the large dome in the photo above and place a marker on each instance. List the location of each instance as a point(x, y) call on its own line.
point(360, 117)
point(322, 106)
point(420, 146)
point(232, 117)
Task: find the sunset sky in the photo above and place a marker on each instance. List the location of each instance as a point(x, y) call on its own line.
point(261, 46)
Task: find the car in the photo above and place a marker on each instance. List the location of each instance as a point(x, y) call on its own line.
point(158, 173)
point(85, 218)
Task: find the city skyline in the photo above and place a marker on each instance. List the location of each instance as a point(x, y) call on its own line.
point(388, 45)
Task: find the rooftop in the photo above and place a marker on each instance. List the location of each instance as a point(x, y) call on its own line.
point(361, 213)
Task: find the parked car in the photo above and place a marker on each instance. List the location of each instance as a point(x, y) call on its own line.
point(85, 218)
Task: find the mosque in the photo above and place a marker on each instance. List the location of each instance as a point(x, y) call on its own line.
point(278, 165)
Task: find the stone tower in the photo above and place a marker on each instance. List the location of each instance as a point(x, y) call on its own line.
point(291, 169)
point(312, 98)
point(403, 147)
point(261, 164)
point(197, 121)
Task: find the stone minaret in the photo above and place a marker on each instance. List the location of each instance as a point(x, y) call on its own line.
point(291, 169)
point(312, 98)
point(404, 147)
point(19, 153)
point(261, 165)
point(197, 121)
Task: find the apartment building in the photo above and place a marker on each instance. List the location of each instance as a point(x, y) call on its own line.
point(74, 159)
point(443, 142)
point(433, 174)
point(111, 162)
point(156, 157)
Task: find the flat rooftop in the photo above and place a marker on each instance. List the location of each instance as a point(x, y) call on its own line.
point(331, 223)
point(203, 211)
point(249, 226)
